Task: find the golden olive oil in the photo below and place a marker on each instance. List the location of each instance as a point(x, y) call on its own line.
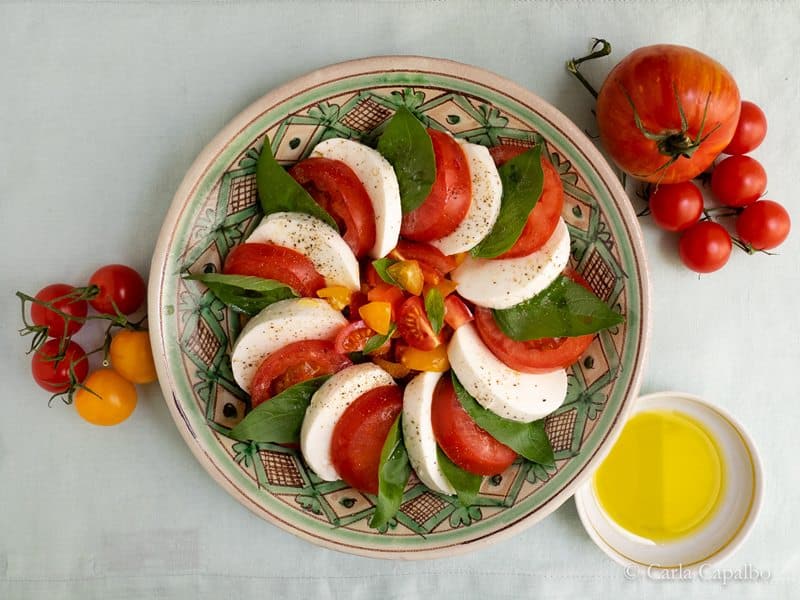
point(664, 477)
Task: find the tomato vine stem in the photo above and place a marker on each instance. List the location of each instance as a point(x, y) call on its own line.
point(574, 63)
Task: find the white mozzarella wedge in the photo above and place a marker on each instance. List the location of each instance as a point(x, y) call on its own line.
point(487, 193)
point(326, 408)
point(314, 239)
point(504, 282)
point(418, 432)
point(497, 387)
point(379, 180)
point(276, 326)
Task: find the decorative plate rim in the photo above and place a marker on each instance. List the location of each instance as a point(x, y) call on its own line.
point(345, 70)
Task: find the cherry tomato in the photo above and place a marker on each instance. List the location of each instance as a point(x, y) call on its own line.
point(466, 444)
point(352, 337)
point(294, 363)
point(649, 79)
point(543, 219)
point(54, 375)
point(426, 255)
point(763, 225)
point(738, 181)
point(751, 130)
point(119, 286)
point(338, 190)
point(360, 433)
point(450, 197)
point(270, 261)
point(58, 326)
point(705, 247)
point(385, 292)
point(132, 357)
point(456, 313)
point(414, 327)
point(107, 398)
point(676, 206)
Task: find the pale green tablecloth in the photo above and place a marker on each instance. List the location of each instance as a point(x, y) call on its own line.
point(104, 105)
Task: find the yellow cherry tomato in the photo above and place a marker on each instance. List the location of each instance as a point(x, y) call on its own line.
point(106, 398)
point(426, 360)
point(445, 287)
point(337, 296)
point(377, 315)
point(394, 369)
point(131, 356)
point(408, 274)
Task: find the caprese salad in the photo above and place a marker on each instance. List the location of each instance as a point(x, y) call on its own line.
point(411, 306)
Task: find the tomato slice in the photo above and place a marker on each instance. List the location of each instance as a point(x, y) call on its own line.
point(450, 197)
point(295, 362)
point(456, 313)
point(414, 327)
point(544, 217)
point(466, 444)
point(338, 190)
point(271, 261)
point(352, 337)
point(360, 433)
point(426, 255)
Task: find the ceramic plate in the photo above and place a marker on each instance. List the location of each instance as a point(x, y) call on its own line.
point(216, 207)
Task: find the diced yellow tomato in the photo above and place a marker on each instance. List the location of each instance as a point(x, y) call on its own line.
point(408, 274)
point(445, 287)
point(459, 258)
point(422, 360)
point(385, 292)
point(337, 296)
point(377, 316)
point(394, 369)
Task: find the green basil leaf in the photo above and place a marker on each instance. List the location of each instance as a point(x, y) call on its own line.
point(466, 484)
point(280, 418)
point(434, 307)
point(378, 340)
point(522, 178)
point(279, 192)
point(564, 309)
point(244, 293)
point(527, 439)
point(393, 474)
point(408, 147)
point(381, 267)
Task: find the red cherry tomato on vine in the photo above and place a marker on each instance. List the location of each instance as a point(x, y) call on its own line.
point(738, 181)
point(676, 206)
point(120, 286)
point(763, 225)
point(705, 247)
point(750, 130)
point(54, 375)
point(58, 326)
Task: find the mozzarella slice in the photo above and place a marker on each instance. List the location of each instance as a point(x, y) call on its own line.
point(504, 282)
point(314, 239)
point(418, 432)
point(276, 326)
point(326, 408)
point(379, 180)
point(504, 391)
point(487, 192)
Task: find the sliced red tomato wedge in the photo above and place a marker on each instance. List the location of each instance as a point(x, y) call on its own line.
point(295, 363)
point(450, 197)
point(360, 433)
point(466, 444)
point(352, 337)
point(532, 356)
point(271, 261)
point(414, 327)
point(456, 313)
point(338, 190)
point(544, 217)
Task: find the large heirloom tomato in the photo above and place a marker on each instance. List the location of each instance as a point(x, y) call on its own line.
point(665, 112)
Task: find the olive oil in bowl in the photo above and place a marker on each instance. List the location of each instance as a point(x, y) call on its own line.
point(664, 478)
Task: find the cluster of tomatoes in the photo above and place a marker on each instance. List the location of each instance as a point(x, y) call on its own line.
point(737, 183)
point(60, 365)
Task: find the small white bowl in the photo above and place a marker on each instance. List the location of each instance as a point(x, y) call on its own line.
point(732, 521)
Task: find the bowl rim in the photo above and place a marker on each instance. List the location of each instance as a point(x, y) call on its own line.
point(745, 526)
point(391, 63)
